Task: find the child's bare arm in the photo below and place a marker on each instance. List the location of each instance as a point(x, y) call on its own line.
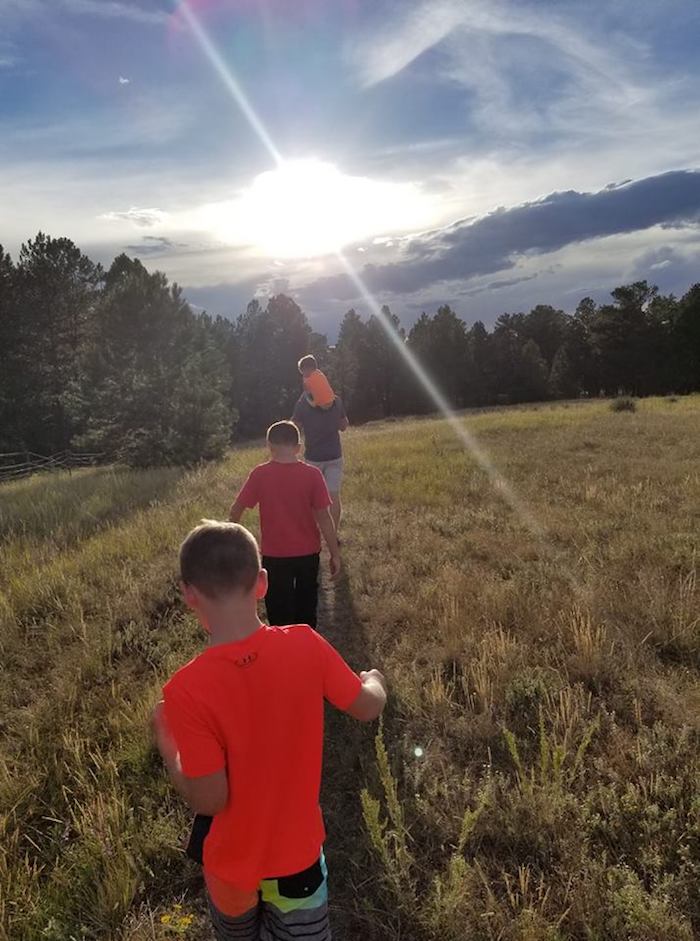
point(325, 523)
point(371, 699)
point(236, 512)
point(207, 794)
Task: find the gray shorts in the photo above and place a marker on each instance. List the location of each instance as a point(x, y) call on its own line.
point(332, 472)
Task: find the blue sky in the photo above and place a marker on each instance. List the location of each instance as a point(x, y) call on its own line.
point(488, 154)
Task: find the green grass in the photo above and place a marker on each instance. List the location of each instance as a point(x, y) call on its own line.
point(536, 777)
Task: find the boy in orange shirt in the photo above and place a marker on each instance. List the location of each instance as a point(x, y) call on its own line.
point(241, 733)
point(319, 392)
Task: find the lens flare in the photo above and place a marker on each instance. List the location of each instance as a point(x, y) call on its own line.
point(229, 80)
point(466, 437)
point(468, 440)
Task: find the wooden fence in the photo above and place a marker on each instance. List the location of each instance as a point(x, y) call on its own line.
point(17, 464)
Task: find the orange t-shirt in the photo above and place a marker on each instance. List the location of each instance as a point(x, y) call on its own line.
point(255, 707)
point(319, 388)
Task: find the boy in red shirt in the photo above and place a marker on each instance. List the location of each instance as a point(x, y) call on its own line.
point(294, 505)
point(240, 730)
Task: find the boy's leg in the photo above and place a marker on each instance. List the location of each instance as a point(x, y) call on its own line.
point(296, 906)
point(306, 589)
point(336, 509)
point(235, 914)
point(235, 927)
point(333, 474)
point(279, 600)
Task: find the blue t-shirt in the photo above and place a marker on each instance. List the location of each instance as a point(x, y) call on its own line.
point(321, 429)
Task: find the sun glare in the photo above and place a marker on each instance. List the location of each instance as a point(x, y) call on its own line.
point(307, 208)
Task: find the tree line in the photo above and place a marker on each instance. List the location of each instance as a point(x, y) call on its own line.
point(115, 361)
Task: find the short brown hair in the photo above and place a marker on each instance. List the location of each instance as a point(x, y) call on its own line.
point(307, 362)
point(283, 432)
point(219, 558)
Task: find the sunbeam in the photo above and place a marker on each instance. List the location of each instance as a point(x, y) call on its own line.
point(468, 440)
point(499, 482)
point(229, 80)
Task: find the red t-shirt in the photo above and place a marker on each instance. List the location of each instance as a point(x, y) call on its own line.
point(287, 494)
point(255, 707)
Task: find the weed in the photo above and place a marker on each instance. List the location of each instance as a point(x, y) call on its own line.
point(623, 403)
point(580, 822)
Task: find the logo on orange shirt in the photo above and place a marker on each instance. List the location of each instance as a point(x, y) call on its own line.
point(247, 661)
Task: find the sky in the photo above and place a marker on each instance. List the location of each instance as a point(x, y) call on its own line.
point(490, 155)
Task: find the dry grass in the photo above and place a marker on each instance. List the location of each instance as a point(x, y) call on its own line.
point(536, 778)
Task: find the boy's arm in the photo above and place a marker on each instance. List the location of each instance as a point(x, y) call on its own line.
point(343, 422)
point(371, 699)
point(325, 523)
point(363, 697)
point(236, 511)
point(207, 794)
point(248, 497)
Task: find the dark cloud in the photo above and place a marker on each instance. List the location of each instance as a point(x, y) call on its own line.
point(493, 243)
point(154, 245)
point(498, 284)
point(670, 269)
point(228, 300)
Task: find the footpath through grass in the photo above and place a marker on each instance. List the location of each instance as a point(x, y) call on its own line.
point(537, 775)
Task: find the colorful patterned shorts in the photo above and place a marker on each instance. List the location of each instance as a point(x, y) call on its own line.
point(291, 906)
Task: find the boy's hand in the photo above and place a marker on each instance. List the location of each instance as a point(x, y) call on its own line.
point(164, 740)
point(335, 565)
point(371, 699)
point(374, 675)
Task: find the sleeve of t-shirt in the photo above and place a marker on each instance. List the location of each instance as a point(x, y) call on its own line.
point(341, 685)
point(249, 494)
point(201, 752)
point(320, 497)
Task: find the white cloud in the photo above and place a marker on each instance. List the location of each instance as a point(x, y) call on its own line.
point(124, 81)
point(525, 69)
point(114, 9)
point(154, 117)
point(551, 100)
point(386, 55)
point(139, 217)
point(110, 9)
point(9, 56)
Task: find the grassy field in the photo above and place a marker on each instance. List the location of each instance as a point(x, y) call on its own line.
point(537, 774)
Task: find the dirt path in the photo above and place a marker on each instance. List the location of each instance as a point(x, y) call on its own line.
point(348, 762)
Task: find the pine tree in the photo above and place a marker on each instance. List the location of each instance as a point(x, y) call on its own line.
point(563, 382)
point(11, 435)
point(532, 374)
point(154, 387)
point(56, 291)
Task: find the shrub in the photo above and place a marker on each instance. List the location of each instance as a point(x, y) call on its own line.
point(623, 403)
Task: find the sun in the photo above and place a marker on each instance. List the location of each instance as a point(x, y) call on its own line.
point(308, 208)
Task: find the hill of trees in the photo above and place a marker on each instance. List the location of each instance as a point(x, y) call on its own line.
point(115, 361)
